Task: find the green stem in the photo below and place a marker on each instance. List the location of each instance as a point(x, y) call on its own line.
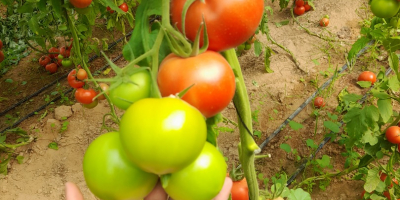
point(248, 147)
point(165, 12)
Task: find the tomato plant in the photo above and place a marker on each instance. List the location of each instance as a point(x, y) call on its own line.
point(162, 123)
point(239, 190)
point(73, 82)
point(85, 96)
point(52, 68)
point(81, 75)
point(240, 19)
point(44, 60)
point(202, 179)
point(124, 7)
point(210, 74)
point(110, 175)
point(367, 76)
point(385, 8)
point(299, 10)
point(80, 3)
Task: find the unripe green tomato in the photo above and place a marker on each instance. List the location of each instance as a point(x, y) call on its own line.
point(109, 174)
point(91, 105)
point(385, 8)
point(66, 62)
point(240, 48)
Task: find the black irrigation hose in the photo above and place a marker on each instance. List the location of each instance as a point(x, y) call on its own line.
point(55, 99)
point(111, 45)
point(322, 144)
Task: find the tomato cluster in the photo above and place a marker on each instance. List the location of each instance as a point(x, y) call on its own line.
point(1, 52)
point(301, 7)
point(56, 58)
point(383, 179)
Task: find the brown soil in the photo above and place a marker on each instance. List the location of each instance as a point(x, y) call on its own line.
point(274, 95)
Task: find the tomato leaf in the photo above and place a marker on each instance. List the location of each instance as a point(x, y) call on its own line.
point(311, 144)
point(20, 159)
point(365, 160)
point(391, 44)
point(267, 61)
point(3, 166)
point(380, 94)
point(385, 109)
point(286, 147)
point(357, 46)
point(282, 23)
point(372, 180)
point(364, 84)
point(299, 194)
point(295, 126)
point(368, 137)
point(53, 145)
point(257, 48)
point(212, 129)
point(332, 126)
point(394, 63)
point(56, 7)
point(394, 83)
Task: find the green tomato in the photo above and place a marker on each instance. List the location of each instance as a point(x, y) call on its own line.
point(91, 105)
point(109, 174)
point(162, 136)
point(201, 180)
point(136, 87)
point(60, 56)
point(66, 62)
point(247, 46)
point(385, 8)
point(241, 47)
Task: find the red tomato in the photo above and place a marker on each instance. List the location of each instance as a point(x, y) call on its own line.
point(299, 3)
point(52, 68)
point(240, 19)
point(386, 194)
point(367, 76)
point(299, 10)
point(73, 82)
point(307, 7)
point(84, 96)
point(239, 190)
point(103, 87)
point(319, 102)
point(58, 61)
point(1, 44)
point(109, 10)
point(1, 56)
point(209, 72)
point(124, 7)
point(65, 51)
point(80, 3)
point(44, 60)
point(324, 22)
point(393, 134)
point(53, 50)
point(81, 75)
point(398, 147)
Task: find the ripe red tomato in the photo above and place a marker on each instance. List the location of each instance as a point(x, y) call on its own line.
point(65, 51)
point(367, 76)
point(299, 10)
point(109, 10)
point(307, 7)
point(1, 44)
point(52, 68)
point(85, 96)
point(124, 7)
point(1, 56)
point(212, 76)
point(44, 60)
point(299, 3)
point(319, 102)
point(162, 136)
point(393, 134)
point(240, 190)
point(73, 82)
point(53, 50)
point(110, 175)
point(80, 3)
point(240, 19)
point(324, 22)
point(104, 87)
point(206, 176)
point(81, 75)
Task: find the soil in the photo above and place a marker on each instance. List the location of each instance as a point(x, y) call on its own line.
point(274, 97)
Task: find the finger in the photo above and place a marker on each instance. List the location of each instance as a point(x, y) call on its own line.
point(226, 190)
point(158, 193)
point(72, 192)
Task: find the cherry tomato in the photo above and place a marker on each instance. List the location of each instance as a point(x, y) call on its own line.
point(319, 102)
point(383, 178)
point(103, 87)
point(1, 56)
point(240, 190)
point(393, 134)
point(53, 52)
point(66, 63)
point(385, 8)
point(127, 93)
point(324, 22)
point(81, 75)
point(162, 136)
point(80, 3)
point(52, 68)
point(367, 76)
point(91, 105)
point(65, 51)
point(1, 44)
point(299, 3)
point(109, 174)
point(307, 7)
point(44, 60)
point(210, 74)
point(109, 10)
point(202, 179)
point(73, 82)
point(299, 10)
point(123, 7)
point(240, 19)
point(85, 96)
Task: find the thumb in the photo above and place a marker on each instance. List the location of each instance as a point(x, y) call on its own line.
point(226, 190)
point(72, 192)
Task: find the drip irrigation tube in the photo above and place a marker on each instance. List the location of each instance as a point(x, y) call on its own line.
point(111, 45)
point(55, 99)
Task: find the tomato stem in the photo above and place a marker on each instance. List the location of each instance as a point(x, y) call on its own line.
point(248, 147)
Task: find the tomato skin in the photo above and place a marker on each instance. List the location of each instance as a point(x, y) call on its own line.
point(162, 136)
point(307, 7)
point(299, 3)
point(212, 76)
point(109, 174)
point(319, 102)
point(91, 105)
point(393, 134)
point(52, 68)
point(109, 10)
point(299, 10)
point(240, 19)
point(1, 44)
point(81, 75)
point(44, 60)
point(80, 3)
point(199, 181)
point(65, 52)
point(104, 87)
point(53, 50)
point(367, 76)
point(1, 56)
point(385, 8)
point(240, 190)
point(324, 22)
point(84, 96)
point(131, 92)
point(73, 82)
point(124, 7)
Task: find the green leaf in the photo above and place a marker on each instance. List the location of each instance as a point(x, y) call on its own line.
point(351, 97)
point(332, 126)
point(380, 94)
point(53, 145)
point(20, 159)
point(9, 80)
point(257, 133)
point(257, 48)
point(364, 84)
point(324, 161)
point(385, 109)
point(27, 8)
point(392, 44)
point(311, 144)
point(394, 83)
point(394, 63)
point(379, 154)
point(295, 126)
point(315, 61)
point(267, 61)
point(212, 130)
point(299, 194)
point(286, 147)
point(282, 23)
point(357, 46)
point(56, 7)
point(372, 180)
point(368, 137)
point(23, 83)
point(364, 161)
